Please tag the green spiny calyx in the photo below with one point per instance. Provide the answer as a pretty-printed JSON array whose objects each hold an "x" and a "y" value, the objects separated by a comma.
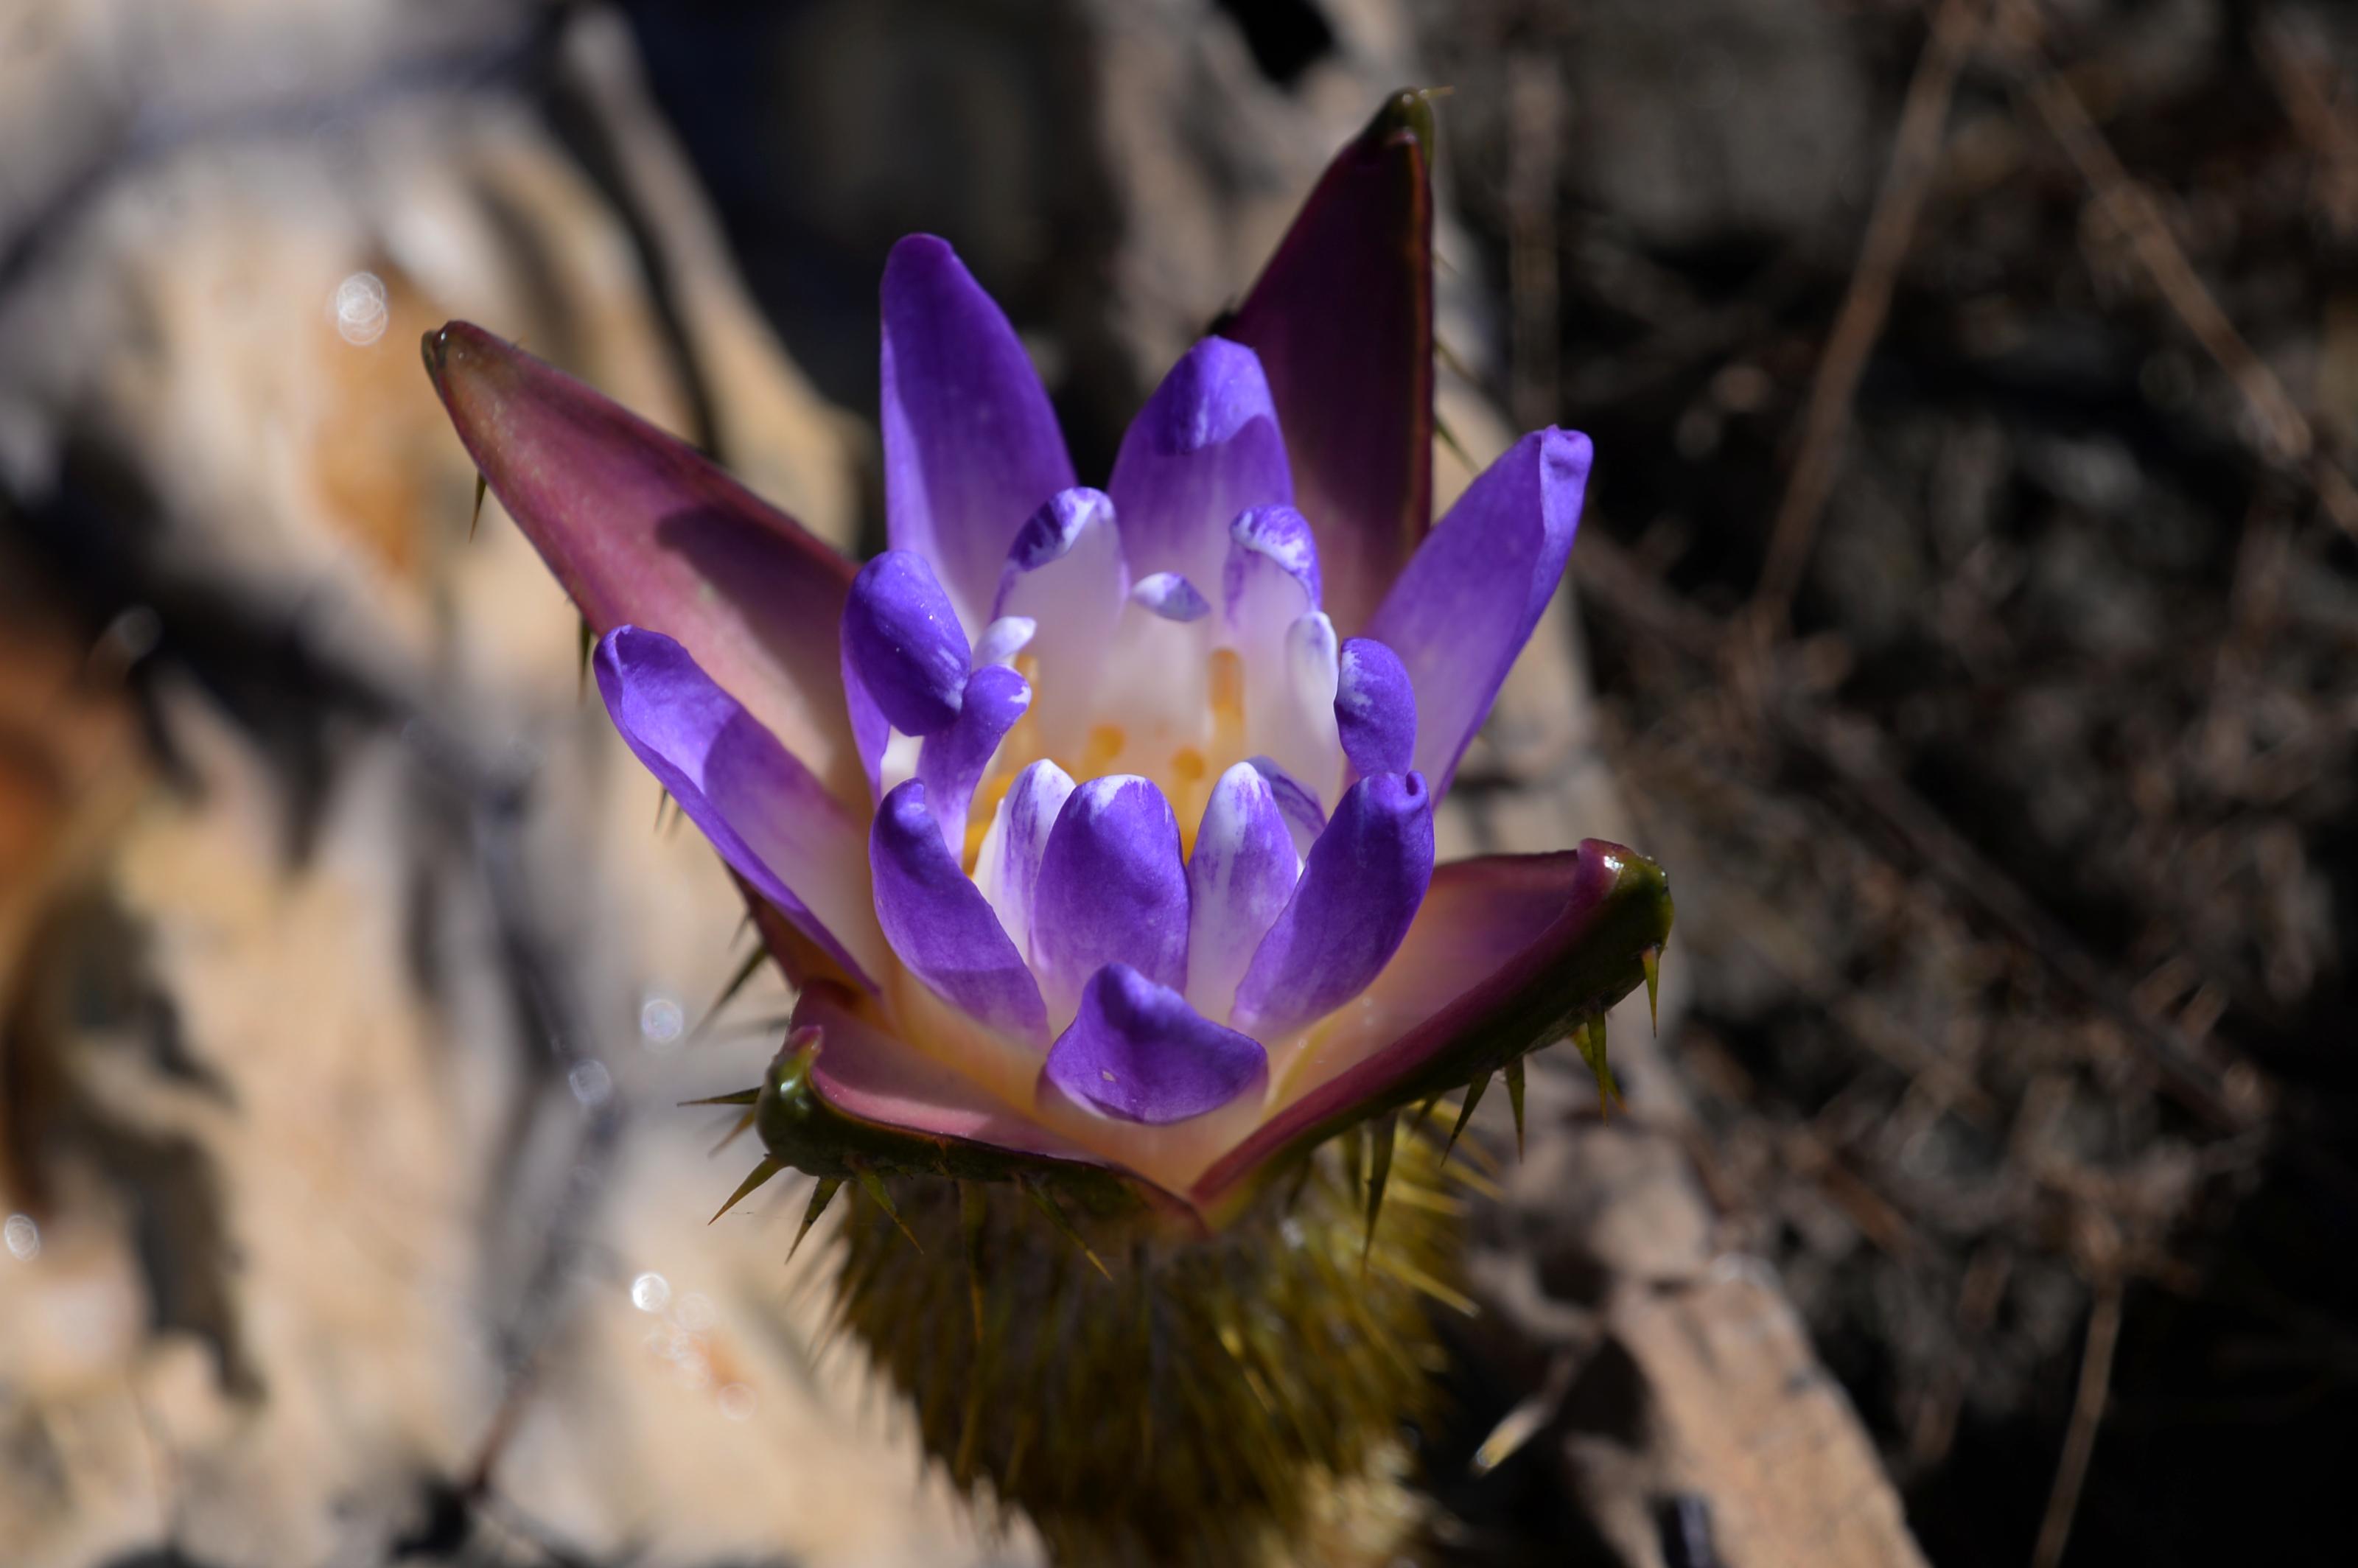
[{"x": 1195, "y": 1400}]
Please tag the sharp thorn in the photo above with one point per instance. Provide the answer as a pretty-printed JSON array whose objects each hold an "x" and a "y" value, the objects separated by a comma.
[
  {"x": 1466, "y": 1113},
  {"x": 1515, "y": 1099},
  {"x": 742, "y": 1096},
  {"x": 760, "y": 1173},
  {"x": 736, "y": 982},
  {"x": 475, "y": 522},
  {"x": 873, "y": 1186},
  {"x": 1449, "y": 440},
  {"x": 663, "y": 804},
  {"x": 586, "y": 643},
  {"x": 1386, "y": 1133},
  {"x": 1047, "y": 1205},
  {"x": 1652, "y": 960},
  {"x": 1590, "y": 1038},
  {"x": 821, "y": 1195},
  {"x": 734, "y": 1133},
  {"x": 1451, "y": 361},
  {"x": 1355, "y": 1156},
  {"x": 972, "y": 1211}
]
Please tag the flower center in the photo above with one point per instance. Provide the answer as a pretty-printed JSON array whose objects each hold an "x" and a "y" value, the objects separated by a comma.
[{"x": 1157, "y": 739}]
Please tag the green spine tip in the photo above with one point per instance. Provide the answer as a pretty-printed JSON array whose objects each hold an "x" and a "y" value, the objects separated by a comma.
[
  {"x": 1590, "y": 1039},
  {"x": 1448, "y": 437},
  {"x": 1473, "y": 1092},
  {"x": 1448, "y": 359},
  {"x": 475, "y": 522},
  {"x": 1047, "y": 1205},
  {"x": 1387, "y": 1133},
  {"x": 742, "y": 1096},
  {"x": 1652, "y": 960},
  {"x": 1354, "y": 1155},
  {"x": 736, "y": 982},
  {"x": 737, "y": 1130},
  {"x": 873, "y": 1186},
  {"x": 1410, "y": 110},
  {"x": 1515, "y": 1099},
  {"x": 821, "y": 1195},
  {"x": 585, "y": 643},
  {"x": 972, "y": 1212},
  {"x": 753, "y": 1179}
]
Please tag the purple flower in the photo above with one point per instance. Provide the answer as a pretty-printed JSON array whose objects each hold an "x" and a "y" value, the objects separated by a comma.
[{"x": 1098, "y": 825}]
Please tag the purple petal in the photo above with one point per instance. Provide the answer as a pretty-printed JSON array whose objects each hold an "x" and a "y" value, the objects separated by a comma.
[
  {"x": 1066, "y": 572},
  {"x": 879, "y": 1077},
  {"x": 1111, "y": 889},
  {"x": 1137, "y": 1051},
  {"x": 1238, "y": 879},
  {"x": 641, "y": 530},
  {"x": 1004, "y": 638},
  {"x": 941, "y": 926},
  {"x": 1290, "y": 704},
  {"x": 1009, "y": 867},
  {"x": 1361, "y": 888},
  {"x": 1050, "y": 532},
  {"x": 1375, "y": 707},
  {"x": 970, "y": 444},
  {"x": 1305, "y": 817},
  {"x": 1204, "y": 447},
  {"x": 952, "y": 761},
  {"x": 1275, "y": 539},
  {"x": 1170, "y": 597},
  {"x": 903, "y": 642},
  {"x": 1468, "y": 603},
  {"x": 1505, "y": 949},
  {"x": 1342, "y": 319},
  {"x": 774, "y": 824}
]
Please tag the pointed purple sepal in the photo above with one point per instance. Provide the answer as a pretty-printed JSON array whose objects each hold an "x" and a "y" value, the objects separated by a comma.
[
  {"x": 1342, "y": 319},
  {"x": 1137, "y": 1051},
  {"x": 1506, "y": 950},
  {"x": 643, "y": 530},
  {"x": 941, "y": 926}
]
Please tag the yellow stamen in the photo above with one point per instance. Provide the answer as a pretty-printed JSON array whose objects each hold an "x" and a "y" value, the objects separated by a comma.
[
  {"x": 1106, "y": 742},
  {"x": 1228, "y": 681}
]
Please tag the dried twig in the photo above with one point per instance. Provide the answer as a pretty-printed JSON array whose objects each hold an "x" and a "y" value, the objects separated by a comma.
[
  {"x": 2087, "y": 1415},
  {"x": 2285, "y": 435},
  {"x": 1846, "y": 747},
  {"x": 2293, "y": 70},
  {"x": 1915, "y": 159},
  {"x": 1535, "y": 108}
]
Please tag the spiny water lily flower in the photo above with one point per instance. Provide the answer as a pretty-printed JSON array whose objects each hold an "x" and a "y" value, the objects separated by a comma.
[{"x": 1095, "y": 825}]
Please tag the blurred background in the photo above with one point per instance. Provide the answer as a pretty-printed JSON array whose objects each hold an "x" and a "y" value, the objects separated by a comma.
[{"x": 1967, "y": 613}]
